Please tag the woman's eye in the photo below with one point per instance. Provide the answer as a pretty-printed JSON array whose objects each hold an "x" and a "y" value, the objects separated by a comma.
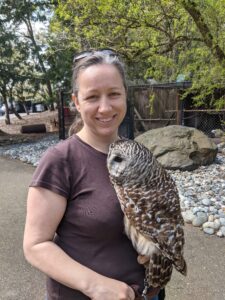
[
  {"x": 92, "y": 97},
  {"x": 114, "y": 94}
]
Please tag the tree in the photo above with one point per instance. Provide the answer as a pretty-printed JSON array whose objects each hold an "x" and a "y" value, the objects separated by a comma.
[
  {"x": 10, "y": 60},
  {"x": 159, "y": 39},
  {"x": 23, "y": 14}
]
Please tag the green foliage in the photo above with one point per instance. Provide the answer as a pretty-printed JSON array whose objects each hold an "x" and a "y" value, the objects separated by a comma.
[
  {"x": 159, "y": 39},
  {"x": 151, "y": 102}
]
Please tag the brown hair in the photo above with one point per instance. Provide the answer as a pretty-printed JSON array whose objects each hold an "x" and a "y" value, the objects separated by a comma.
[{"x": 97, "y": 58}]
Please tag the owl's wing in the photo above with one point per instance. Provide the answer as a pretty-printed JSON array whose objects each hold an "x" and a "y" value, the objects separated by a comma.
[{"x": 157, "y": 216}]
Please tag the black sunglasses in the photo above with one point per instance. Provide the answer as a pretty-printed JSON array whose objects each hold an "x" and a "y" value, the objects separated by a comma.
[{"x": 84, "y": 54}]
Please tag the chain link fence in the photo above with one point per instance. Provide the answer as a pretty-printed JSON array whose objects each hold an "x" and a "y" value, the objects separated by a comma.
[{"x": 206, "y": 121}]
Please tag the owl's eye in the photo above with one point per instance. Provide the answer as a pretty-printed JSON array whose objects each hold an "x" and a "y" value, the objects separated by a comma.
[{"x": 118, "y": 159}]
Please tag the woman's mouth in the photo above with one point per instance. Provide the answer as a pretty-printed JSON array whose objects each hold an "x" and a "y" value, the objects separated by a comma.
[{"x": 106, "y": 120}]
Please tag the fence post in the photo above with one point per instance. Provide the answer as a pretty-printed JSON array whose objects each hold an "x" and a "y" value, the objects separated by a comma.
[
  {"x": 61, "y": 115},
  {"x": 126, "y": 128},
  {"x": 179, "y": 110}
]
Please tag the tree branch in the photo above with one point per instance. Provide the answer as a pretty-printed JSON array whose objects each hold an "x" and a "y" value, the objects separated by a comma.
[{"x": 191, "y": 7}]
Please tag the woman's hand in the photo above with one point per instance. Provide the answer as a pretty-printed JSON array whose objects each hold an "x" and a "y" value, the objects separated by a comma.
[{"x": 110, "y": 289}]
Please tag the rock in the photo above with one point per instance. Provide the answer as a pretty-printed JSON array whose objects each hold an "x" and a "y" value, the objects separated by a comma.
[
  {"x": 206, "y": 202},
  {"x": 196, "y": 209},
  {"x": 208, "y": 225},
  {"x": 221, "y": 147},
  {"x": 219, "y": 234},
  {"x": 217, "y": 133},
  {"x": 188, "y": 216},
  {"x": 209, "y": 230},
  {"x": 222, "y": 221},
  {"x": 212, "y": 209},
  {"x": 179, "y": 147},
  {"x": 222, "y": 229},
  {"x": 217, "y": 224},
  {"x": 199, "y": 219},
  {"x": 221, "y": 213},
  {"x": 210, "y": 218}
]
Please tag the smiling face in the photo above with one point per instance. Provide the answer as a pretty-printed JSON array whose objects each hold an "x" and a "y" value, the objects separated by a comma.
[{"x": 101, "y": 101}]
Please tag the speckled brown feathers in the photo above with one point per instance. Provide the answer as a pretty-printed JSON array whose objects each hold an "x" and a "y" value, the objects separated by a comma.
[{"x": 152, "y": 215}]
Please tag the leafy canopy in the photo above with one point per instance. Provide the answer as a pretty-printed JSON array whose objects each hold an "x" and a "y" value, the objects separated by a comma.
[{"x": 159, "y": 39}]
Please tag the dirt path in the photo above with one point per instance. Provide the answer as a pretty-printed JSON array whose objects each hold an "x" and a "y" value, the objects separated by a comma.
[
  {"x": 46, "y": 117},
  {"x": 10, "y": 134}
]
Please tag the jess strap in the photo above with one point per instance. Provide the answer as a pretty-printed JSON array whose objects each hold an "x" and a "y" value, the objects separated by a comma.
[{"x": 151, "y": 293}]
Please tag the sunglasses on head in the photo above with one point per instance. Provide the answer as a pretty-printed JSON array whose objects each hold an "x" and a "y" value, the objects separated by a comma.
[{"x": 84, "y": 54}]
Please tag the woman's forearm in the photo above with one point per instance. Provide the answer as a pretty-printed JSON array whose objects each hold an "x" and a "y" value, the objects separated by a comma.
[{"x": 54, "y": 262}]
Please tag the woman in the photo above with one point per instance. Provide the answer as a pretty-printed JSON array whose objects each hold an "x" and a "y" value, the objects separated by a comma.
[{"x": 74, "y": 225}]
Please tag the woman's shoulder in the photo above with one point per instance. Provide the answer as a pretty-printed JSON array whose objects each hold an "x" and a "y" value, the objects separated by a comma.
[{"x": 63, "y": 149}]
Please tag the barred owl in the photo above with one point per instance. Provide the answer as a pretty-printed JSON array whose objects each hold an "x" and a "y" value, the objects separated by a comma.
[{"x": 150, "y": 203}]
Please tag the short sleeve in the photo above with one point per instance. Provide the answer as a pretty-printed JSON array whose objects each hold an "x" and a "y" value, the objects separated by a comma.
[{"x": 53, "y": 173}]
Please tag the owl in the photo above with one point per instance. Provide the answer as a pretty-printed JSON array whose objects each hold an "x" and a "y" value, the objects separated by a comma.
[{"x": 152, "y": 216}]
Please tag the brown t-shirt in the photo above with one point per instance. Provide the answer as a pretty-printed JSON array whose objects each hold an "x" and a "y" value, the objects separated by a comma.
[{"x": 91, "y": 231}]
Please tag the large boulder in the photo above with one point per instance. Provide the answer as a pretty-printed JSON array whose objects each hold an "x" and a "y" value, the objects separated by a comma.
[{"x": 179, "y": 147}]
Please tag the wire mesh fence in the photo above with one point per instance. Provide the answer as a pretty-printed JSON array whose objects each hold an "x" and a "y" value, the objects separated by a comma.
[{"x": 206, "y": 121}]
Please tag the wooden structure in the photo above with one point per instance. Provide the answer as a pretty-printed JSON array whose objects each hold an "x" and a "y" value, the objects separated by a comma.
[
  {"x": 160, "y": 105},
  {"x": 157, "y": 105},
  {"x": 154, "y": 106}
]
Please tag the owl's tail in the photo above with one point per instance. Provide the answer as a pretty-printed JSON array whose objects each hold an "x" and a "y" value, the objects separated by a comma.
[
  {"x": 159, "y": 270},
  {"x": 180, "y": 265}
]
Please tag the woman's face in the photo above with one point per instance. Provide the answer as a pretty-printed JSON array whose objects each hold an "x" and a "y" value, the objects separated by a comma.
[{"x": 101, "y": 100}]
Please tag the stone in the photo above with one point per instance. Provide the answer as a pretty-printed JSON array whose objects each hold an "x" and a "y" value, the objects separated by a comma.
[
  {"x": 210, "y": 218},
  {"x": 221, "y": 213},
  {"x": 219, "y": 234},
  {"x": 209, "y": 230},
  {"x": 213, "y": 210},
  {"x": 196, "y": 209},
  {"x": 188, "y": 216},
  {"x": 208, "y": 225},
  {"x": 217, "y": 133},
  {"x": 199, "y": 219},
  {"x": 179, "y": 147},
  {"x": 217, "y": 224},
  {"x": 206, "y": 202},
  {"x": 222, "y": 221},
  {"x": 222, "y": 229}
]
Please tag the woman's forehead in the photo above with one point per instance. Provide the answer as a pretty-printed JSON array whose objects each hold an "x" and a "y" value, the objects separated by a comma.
[{"x": 98, "y": 75}]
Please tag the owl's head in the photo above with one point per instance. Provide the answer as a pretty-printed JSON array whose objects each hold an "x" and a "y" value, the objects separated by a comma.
[{"x": 128, "y": 160}]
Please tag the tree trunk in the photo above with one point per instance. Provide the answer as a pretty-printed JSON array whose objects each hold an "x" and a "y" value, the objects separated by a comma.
[
  {"x": 13, "y": 108},
  {"x": 191, "y": 7},
  {"x": 4, "y": 96},
  {"x": 25, "y": 108}
]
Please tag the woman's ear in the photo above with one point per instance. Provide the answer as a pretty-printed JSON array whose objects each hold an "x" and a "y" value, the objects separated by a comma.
[{"x": 76, "y": 102}]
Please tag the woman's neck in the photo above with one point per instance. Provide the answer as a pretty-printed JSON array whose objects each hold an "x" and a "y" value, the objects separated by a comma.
[{"x": 99, "y": 143}]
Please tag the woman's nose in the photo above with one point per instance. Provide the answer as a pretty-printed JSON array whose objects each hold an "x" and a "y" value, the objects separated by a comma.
[{"x": 104, "y": 105}]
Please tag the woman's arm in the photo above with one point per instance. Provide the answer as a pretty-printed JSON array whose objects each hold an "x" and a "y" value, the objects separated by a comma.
[{"x": 45, "y": 210}]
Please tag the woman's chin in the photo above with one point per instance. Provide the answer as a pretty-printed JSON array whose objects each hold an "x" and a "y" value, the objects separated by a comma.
[{"x": 107, "y": 132}]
